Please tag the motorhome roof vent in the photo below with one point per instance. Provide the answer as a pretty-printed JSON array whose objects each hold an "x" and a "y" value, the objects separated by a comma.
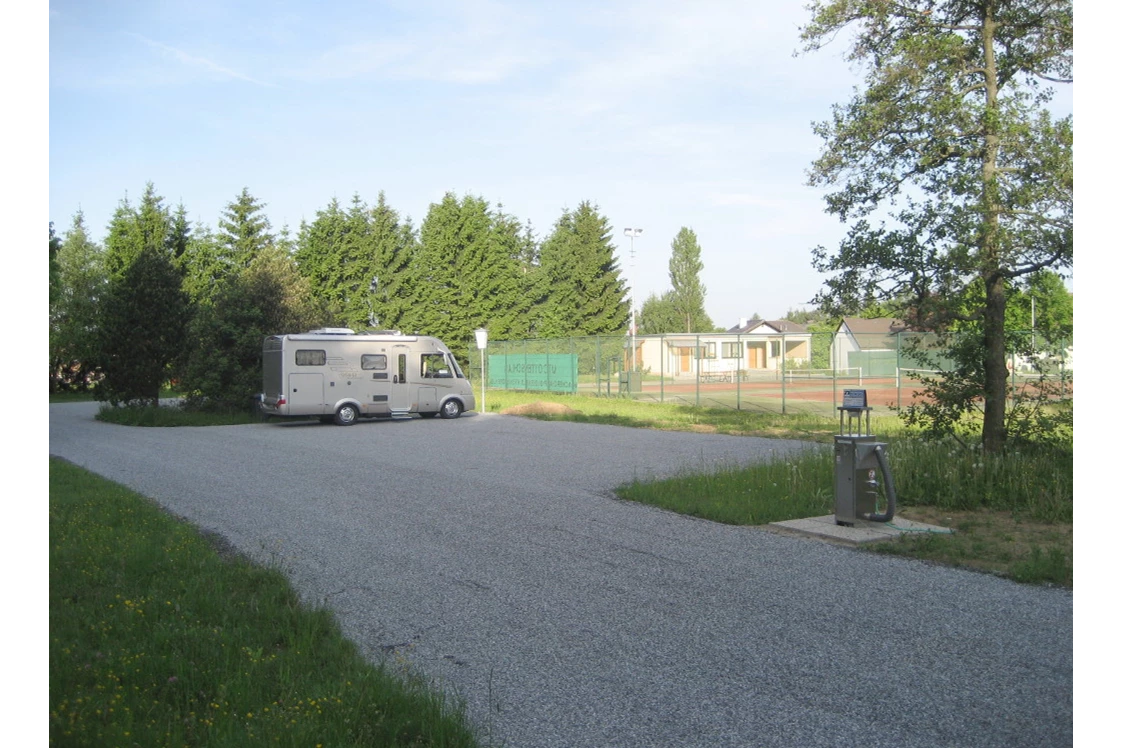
[{"x": 332, "y": 331}]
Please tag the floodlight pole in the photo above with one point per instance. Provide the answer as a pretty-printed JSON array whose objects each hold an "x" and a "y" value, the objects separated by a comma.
[{"x": 632, "y": 234}]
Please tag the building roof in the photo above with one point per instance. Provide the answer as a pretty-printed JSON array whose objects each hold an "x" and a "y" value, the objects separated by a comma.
[
  {"x": 878, "y": 326},
  {"x": 779, "y": 325},
  {"x": 873, "y": 334}
]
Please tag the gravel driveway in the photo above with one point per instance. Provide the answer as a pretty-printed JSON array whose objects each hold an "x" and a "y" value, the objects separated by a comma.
[{"x": 490, "y": 554}]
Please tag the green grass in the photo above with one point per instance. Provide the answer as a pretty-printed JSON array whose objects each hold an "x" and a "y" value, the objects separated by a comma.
[
  {"x": 771, "y": 492},
  {"x": 156, "y": 638}
]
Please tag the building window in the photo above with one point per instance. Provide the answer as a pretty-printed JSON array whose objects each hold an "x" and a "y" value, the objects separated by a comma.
[
  {"x": 731, "y": 350},
  {"x": 311, "y": 358},
  {"x": 774, "y": 345},
  {"x": 707, "y": 350}
]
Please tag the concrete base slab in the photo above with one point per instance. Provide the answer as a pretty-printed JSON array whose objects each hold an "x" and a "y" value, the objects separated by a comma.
[{"x": 861, "y": 533}]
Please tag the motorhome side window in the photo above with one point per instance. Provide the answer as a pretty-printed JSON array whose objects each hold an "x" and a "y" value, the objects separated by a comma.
[
  {"x": 374, "y": 362},
  {"x": 311, "y": 358},
  {"x": 434, "y": 365}
]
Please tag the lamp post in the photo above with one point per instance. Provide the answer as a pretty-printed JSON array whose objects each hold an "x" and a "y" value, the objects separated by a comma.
[
  {"x": 481, "y": 344},
  {"x": 632, "y": 234}
]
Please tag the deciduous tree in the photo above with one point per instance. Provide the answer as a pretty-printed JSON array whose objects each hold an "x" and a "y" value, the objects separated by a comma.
[
  {"x": 947, "y": 164},
  {"x": 658, "y": 316},
  {"x": 688, "y": 294}
]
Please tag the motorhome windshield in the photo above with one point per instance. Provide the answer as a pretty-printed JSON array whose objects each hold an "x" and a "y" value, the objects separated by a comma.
[
  {"x": 439, "y": 366},
  {"x": 456, "y": 367}
]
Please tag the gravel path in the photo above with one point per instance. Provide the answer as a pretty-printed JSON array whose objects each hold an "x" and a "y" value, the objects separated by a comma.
[{"x": 489, "y": 554}]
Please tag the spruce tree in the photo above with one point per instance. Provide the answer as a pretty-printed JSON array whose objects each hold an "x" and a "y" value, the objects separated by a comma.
[
  {"x": 244, "y": 229},
  {"x": 465, "y": 277},
  {"x": 586, "y": 295},
  {"x": 79, "y": 286},
  {"x": 145, "y": 310}
]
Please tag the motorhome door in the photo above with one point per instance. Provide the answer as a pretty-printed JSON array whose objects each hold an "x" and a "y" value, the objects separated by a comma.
[{"x": 399, "y": 392}]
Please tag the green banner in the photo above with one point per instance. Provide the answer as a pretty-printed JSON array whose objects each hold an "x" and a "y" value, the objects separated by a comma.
[{"x": 546, "y": 372}]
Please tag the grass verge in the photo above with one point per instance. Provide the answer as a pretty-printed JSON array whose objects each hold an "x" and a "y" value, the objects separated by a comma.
[{"x": 158, "y": 639}]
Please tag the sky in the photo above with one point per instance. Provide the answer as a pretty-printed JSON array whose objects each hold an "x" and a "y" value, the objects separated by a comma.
[{"x": 662, "y": 114}]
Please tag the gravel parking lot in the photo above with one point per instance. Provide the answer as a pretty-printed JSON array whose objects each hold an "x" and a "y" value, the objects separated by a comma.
[{"x": 489, "y": 554}]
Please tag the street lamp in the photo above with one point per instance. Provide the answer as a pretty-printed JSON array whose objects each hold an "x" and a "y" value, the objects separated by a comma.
[{"x": 632, "y": 234}]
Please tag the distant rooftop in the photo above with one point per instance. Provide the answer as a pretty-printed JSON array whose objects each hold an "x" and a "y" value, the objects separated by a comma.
[{"x": 780, "y": 325}]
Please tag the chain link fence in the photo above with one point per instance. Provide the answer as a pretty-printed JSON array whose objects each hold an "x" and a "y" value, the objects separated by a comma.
[{"x": 784, "y": 373}]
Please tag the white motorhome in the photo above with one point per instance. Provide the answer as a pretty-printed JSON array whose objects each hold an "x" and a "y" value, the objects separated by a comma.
[{"x": 339, "y": 375}]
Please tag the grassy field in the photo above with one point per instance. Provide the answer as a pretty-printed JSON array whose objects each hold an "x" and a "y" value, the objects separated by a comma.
[{"x": 159, "y": 638}]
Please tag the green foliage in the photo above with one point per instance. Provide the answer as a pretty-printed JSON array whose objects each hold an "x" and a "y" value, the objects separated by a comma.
[
  {"x": 1039, "y": 409},
  {"x": 244, "y": 230},
  {"x": 658, "y": 315},
  {"x": 223, "y": 368},
  {"x": 160, "y": 636},
  {"x": 1041, "y": 304},
  {"x": 682, "y": 309},
  {"x": 79, "y": 283},
  {"x": 394, "y": 246},
  {"x": 135, "y": 230},
  {"x": 688, "y": 294},
  {"x": 141, "y": 328},
  {"x": 586, "y": 294},
  {"x": 143, "y": 312},
  {"x": 949, "y": 142},
  {"x": 53, "y": 244},
  {"x": 179, "y": 235},
  {"x": 320, "y": 255},
  {"x": 204, "y": 264},
  {"x": 359, "y": 263},
  {"x": 465, "y": 275}
]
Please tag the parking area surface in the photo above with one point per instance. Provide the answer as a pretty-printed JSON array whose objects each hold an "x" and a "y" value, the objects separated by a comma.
[{"x": 489, "y": 554}]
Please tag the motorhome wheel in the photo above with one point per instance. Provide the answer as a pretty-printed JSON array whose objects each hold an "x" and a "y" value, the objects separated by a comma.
[
  {"x": 451, "y": 409},
  {"x": 346, "y": 415}
]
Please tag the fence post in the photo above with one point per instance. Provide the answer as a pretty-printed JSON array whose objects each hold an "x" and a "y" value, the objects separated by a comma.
[
  {"x": 783, "y": 374},
  {"x": 596, "y": 364},
  {"x": 834, "y": 373},
  {"x": 898, "y": 370}
]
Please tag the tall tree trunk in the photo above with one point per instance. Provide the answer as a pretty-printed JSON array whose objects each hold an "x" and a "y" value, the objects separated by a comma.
[
  {"x": 994, "y": 312},
  {"x": 994, "y": 365}
]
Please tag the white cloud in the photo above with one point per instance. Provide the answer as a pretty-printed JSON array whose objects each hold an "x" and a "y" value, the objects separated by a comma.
[{"x": 200, "y": 63}]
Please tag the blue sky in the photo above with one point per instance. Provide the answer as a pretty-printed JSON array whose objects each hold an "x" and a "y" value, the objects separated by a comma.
[{"x": 664, "y": 114}]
